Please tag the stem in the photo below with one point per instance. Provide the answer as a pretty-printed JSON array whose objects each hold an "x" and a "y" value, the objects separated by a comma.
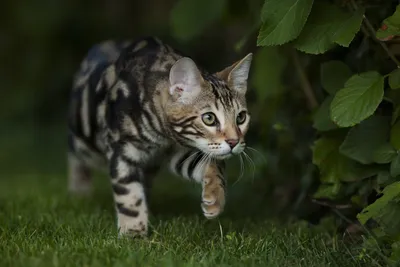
[
  {"x": 239, "y": 45},
  {"x": 388, "y": 99},
  {"x": 305, "y": 84},
  {"x": 326, "y": 204},
  {"x": 384, "y": 46},
  {"x": 372, "y": 31}
]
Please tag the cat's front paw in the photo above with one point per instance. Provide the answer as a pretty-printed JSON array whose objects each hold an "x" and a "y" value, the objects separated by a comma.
[
  {"x": 133, "y": 233},
  {"x": 132, "y": 228},
  {"x": 213, "y": 197}
]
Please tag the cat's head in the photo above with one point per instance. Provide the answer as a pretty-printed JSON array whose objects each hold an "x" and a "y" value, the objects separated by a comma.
[{"x": 209, "y": 112}]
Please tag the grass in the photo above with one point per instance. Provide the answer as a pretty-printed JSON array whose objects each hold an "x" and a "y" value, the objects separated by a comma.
[{"x": 42, "y": 225}]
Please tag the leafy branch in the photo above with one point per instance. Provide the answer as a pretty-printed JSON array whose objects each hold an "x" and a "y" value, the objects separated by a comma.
[
  {"x": 372, "y": 33},
  {"x": 357, "y": 152}
]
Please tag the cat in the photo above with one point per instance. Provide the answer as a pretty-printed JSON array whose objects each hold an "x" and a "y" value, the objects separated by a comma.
[{"x": 133, "y": 103}]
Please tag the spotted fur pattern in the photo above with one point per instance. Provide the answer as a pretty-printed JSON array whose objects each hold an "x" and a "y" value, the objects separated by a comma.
[{"x": 134, "y": 104}]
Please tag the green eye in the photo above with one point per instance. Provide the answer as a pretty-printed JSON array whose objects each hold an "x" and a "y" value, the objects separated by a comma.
[
  {"x": 241, "y": 117},
  {"x": 209, "y": 119}
]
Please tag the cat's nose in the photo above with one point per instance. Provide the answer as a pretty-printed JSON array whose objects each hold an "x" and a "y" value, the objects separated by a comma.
[{"x": 232, "y": 142}]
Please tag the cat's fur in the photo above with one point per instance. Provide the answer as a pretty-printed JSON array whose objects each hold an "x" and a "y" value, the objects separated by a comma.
[{"x": 132, "y": 102}]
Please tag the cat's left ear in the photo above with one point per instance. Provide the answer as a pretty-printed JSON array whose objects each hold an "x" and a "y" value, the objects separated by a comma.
[
  {"x": 237, "y": 74},
  {"x": 185, "y": 80}
]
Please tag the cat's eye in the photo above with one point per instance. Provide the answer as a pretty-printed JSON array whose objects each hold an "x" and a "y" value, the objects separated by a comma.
[
  {"x": 209, "y": 119},
  {"x": 241, "y": 117}
]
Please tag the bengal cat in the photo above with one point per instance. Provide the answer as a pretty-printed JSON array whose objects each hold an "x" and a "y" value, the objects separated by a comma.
[{"x": 133, "y": 103}]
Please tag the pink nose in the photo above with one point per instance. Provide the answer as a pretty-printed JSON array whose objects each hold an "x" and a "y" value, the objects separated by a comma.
[{"x": 232, "y": 142}]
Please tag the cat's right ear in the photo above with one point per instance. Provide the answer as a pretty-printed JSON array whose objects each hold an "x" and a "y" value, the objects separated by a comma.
[
  {"x": 236, "y": 75},
  {"x": 185, "y": 80}
]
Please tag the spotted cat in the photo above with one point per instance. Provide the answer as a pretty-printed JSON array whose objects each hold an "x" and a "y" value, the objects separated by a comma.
[{"x": 134, "y": 103}]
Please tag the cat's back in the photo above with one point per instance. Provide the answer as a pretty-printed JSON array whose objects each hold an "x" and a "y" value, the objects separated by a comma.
[
  {"x": 146, "y": 62},
  {"x": 141, "y": 64},
  {"x": 117, "y": 79}
]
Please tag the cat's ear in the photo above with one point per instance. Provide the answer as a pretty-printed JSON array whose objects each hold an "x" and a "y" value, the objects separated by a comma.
[
  {"x": 185, "y": 80},
  {"x": 237, "y": 74}
]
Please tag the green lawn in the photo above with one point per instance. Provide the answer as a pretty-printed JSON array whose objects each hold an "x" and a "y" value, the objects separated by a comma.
[{"x": 41, "y": 225}]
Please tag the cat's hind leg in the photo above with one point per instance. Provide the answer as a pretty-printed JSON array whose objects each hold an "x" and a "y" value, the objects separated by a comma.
[{"x": 79, "y": 174}]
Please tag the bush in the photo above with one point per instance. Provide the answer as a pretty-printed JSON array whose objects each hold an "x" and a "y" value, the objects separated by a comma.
[{"x": 353, "y": 101}]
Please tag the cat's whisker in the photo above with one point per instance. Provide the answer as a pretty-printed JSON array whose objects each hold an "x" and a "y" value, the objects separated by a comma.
[
  {"x": 241, "y": 167},
  {"x": 258, "y": 152},
  {"x": 241, "y": 170},
  {"x": 188, "y": 158},
  {"x": 199, "y": 167},
  {"x": 251, "y": 163},
  {"x": 203, "y": 162},
  {"x": 207, "y": 160}
]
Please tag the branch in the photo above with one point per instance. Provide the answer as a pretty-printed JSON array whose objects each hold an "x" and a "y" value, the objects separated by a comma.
[
  {"x": 326, "y": 204},
  {"x": 239, "y": 45},
  {"x": 372, "y": 31},
  {"x": 305, "y": 83}
]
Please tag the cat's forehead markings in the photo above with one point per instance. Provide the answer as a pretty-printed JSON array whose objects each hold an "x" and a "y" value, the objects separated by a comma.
[
  {"x": 221, "y": 92},
  {"x": 236, "y": 103},
  {"x": 207, "y": 106}
]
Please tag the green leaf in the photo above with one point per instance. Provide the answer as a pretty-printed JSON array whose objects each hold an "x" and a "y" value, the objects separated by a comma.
[
  {"x": 395, "y": 166},
  {"x": 267, "y": 72},
  {"x": 395, "y": 256},
  {"x": 396, "y": 114},
  {"x": 390, "y": 218},
  {"x": 395, "y": 136},
  {"x": 394, "y": 79},
  {"x": 282, "y": 20},
  {"x": 374, "y": 211},
  {"x": 335, "y": 167},
  {"x": 326, "y": 156},
  {"x": 384, "y": 154},
  {"x": 316, "y": 36},
  {"x": 322, "y": 118},
  {"x": 189, "y": 18},
  {"x": 334, "y": 74},
  {"x": 348, "y": 28},
  {"x": 363, "y": 140},
  {"x": 383, "y": 177},
  {"x": 330, "y": 191},
  {"x": 358, "y": 99},
  {"x": 390, "y": 26},
  {"x": 325, "y": 28}
]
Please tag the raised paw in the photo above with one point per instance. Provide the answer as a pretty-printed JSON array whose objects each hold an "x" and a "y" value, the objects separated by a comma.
[{"x": 213, "y": 198}]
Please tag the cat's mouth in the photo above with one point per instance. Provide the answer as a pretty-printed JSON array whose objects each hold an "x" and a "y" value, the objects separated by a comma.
[{"x": 226, "y": 155}]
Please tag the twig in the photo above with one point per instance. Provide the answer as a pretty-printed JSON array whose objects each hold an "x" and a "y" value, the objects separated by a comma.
[
  {"x": 384, "y": 46},
  {"x": 241, "y": 43},
  {"x": 326, "y": 204},
  {"x": 305, "y": 84},
  {"x": 369, "y": 26}
]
